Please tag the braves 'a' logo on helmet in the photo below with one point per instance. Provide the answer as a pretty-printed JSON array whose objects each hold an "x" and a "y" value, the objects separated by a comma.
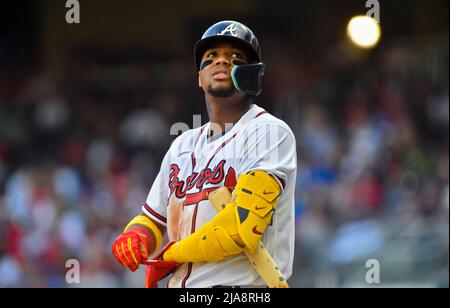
[{"x": 231, "y": 28}]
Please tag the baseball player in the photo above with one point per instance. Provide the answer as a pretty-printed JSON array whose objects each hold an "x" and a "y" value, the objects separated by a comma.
[{"x": 243, "y": 148}]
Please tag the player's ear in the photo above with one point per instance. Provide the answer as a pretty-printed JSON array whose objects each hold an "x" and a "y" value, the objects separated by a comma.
[{"x": 199, "y": 80}]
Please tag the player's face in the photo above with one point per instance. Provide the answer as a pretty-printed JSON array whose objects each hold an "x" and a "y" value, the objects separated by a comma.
[{"x": 215, "y": 69}]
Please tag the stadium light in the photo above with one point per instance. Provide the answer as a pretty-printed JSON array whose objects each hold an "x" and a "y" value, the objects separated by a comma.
[{"x": 364, "y": 31}]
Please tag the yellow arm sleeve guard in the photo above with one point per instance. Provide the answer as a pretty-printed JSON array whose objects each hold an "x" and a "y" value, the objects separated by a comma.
[{"x": 241, "y": 224}]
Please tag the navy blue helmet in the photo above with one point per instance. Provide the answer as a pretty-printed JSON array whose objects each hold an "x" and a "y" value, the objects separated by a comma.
[
  {"x": 230, "y": 31},
  {"x": 246, "y": 78}
]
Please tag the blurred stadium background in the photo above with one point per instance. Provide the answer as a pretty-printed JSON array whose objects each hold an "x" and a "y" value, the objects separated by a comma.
[{"x": 86, "y": 109}]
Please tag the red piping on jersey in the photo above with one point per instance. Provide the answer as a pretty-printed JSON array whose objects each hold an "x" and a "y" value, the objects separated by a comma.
[
  {"x": 283, "y": 183},
  {"x": 193, "y": 161},
  {"x": 159, "y": 216},
  {"x": 188, "y": 274},
  {"x": 220, "y": 148},
  {"x": 195, "y": 143},
  {"x": 194, "y": 219},
  {"x": 261, "y": 113}
]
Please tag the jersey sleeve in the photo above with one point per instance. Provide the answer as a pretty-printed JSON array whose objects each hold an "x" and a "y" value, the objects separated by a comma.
[
  {"x": 155, "y": 205},
  {"x": 271, "y": 148}
]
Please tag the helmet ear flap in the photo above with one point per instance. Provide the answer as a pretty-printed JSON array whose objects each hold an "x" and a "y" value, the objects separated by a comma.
[{"x": 248, "y": 78}]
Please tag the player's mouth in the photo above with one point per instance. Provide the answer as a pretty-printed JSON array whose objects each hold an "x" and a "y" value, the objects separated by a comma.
[{"x": 221, "y": 74}]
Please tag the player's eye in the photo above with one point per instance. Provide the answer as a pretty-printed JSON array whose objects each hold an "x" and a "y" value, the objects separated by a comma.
[
  {"x": 238, "y": 58},
  {"x": 237, "y": 55},
  {"x": 211, "y": 54}
]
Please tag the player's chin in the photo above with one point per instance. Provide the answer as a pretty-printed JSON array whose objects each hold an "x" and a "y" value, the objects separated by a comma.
[
  {"x": 221, "y": 90},
  {"x": 221, "y": 84}
]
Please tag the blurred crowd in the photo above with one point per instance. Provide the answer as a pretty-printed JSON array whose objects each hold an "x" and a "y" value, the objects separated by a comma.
[{"x": 81, "y": 143}]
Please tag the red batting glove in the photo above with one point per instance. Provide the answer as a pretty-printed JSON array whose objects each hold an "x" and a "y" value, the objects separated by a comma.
[
  {"x": 158, "y": 269},
  {"x": 132, "y": 247}
]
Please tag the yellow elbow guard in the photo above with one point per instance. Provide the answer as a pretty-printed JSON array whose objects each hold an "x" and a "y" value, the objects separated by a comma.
[
  {"x": 241, "y": 224},
  {"x": 255, "y": 198}
]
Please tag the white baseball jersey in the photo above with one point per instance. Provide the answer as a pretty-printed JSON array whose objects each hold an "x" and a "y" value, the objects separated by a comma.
[{"x": 194, "y": 165}]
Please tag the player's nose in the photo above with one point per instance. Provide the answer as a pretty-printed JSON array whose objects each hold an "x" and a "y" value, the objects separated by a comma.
[{"x": 222, "y": 60}]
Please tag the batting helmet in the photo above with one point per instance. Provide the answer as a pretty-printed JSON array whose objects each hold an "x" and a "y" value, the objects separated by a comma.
[
  {"x": 246, "y": 78},
  {"x": 231, "y": 31}
]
